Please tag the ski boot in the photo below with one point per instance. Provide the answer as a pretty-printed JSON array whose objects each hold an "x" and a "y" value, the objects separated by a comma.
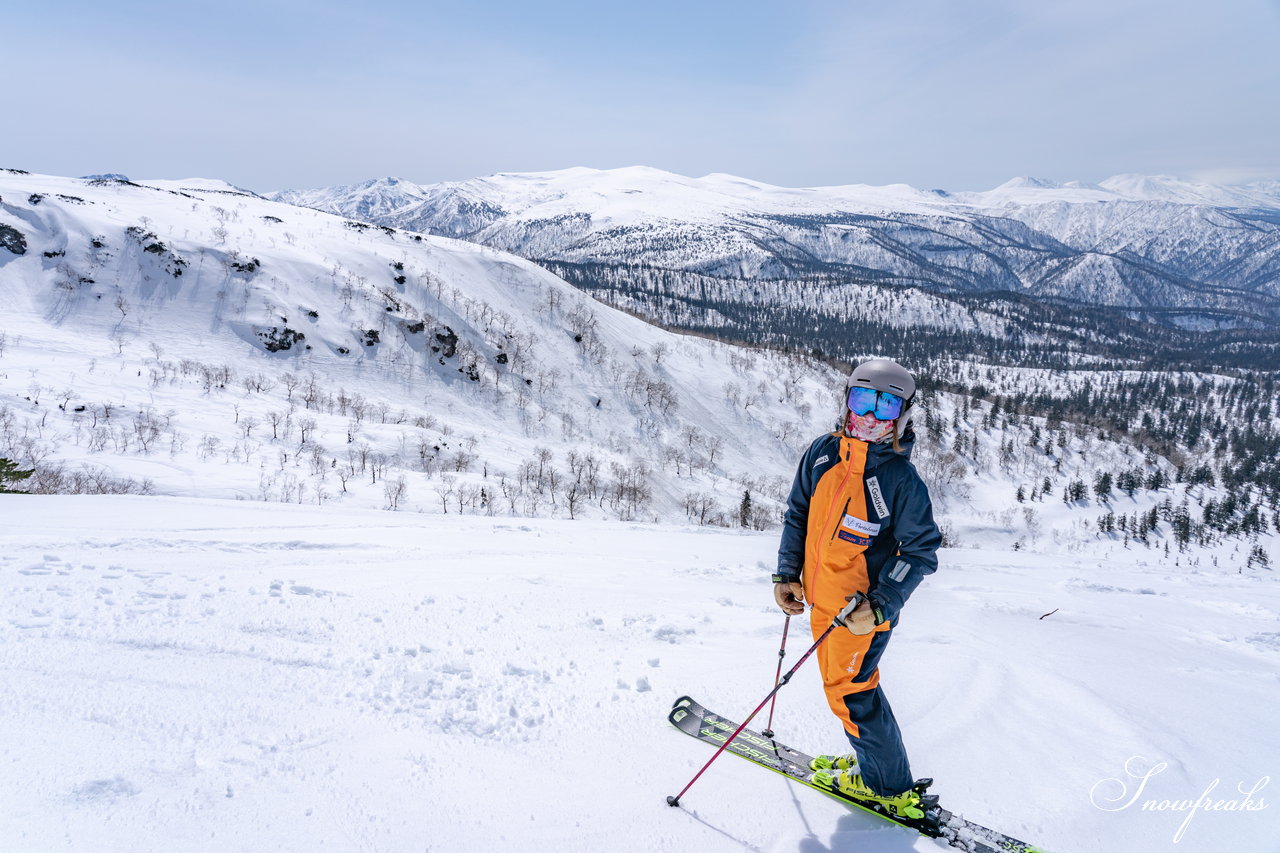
[
  {"x": 905, "y": 806},
  {"x": 835, "y": 762}
]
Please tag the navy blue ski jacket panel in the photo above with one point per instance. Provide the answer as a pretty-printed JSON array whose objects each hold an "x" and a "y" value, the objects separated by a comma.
[{"x": 903, "y": 550}]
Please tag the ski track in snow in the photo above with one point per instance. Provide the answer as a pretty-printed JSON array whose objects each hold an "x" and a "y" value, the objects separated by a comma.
[{"x": 200, "y": 675}]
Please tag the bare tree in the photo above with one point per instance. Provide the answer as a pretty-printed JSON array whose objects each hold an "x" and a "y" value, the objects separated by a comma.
[
  {"x": 146, "y": 430},
  {"x": 572, "y": 493},
  {"x": 701, "y": 506},
  {"x": 445, "y": 491},
  {"x": 396, "y": 491},
  {"x": 276, "y": 419}
]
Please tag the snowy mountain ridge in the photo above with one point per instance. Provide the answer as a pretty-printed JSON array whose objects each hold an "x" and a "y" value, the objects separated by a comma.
[
  {"x": 667, "y": 194},
  {"x": 281, "y": 341},
  {"x": 1168, "y": 251},
  {"x": 188, "y": 339}
]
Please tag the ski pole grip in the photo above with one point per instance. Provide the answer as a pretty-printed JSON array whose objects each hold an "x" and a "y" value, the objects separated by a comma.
[{"x": 844, "y": 614}]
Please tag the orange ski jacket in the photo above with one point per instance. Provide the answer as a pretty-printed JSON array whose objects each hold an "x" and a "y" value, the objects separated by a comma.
[{"x": 859, "y": 519}]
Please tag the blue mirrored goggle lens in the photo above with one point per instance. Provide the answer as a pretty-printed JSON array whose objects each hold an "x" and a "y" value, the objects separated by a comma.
[{"x": 885, "y": 405}]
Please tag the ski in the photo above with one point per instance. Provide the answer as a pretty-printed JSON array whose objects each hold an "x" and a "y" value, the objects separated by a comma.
[{"x": 696, "y": 721}]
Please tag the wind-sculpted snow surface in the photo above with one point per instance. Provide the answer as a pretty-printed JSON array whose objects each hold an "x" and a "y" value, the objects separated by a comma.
[{"x": 201, "y": 675}]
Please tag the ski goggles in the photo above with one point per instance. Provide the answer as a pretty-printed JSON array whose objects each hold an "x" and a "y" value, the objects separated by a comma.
[{"x": 863, "y": 401}]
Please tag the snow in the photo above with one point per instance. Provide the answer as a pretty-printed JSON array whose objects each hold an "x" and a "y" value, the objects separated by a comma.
[
  {"x": 1013, "y": 237},
  {"x": 108, "y": 328},
  {"x": 96, "y": 316},
  {"x": 183, "y": 672},
  {"x": 197, "y": 185},
  {"x": 1169, "y": 188},
  {"x": 635, "y": 195},
  {"x": 218, "y": 675}
]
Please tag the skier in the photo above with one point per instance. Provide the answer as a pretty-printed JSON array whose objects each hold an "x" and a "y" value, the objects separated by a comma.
[{"x": 859, "y": 521}]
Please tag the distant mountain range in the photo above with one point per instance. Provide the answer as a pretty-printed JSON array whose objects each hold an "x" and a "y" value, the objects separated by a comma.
[
  {"x": 192, "y": 338},
  {"x": 1163, "y": 251}
]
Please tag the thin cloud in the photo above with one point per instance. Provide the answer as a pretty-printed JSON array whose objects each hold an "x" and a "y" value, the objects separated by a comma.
[{"x": 928, "y": 92}]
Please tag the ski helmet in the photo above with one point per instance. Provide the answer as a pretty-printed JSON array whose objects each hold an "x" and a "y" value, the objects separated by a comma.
[
  {"x": 883, "y": 374},
  {"x": 886, "y": 375}
]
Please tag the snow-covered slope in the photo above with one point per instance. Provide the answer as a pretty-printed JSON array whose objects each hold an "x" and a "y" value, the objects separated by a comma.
[
  {"x": 183, "y": 673},
  {"x": 192, "y": 339},
  {"x": 209, "y": 676},
  {"x": 1166, "y": 244},
  {"x": 179, "y": 328}
]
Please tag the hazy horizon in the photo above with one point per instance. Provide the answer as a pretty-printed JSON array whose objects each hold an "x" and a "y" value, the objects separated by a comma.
[{"x": 278, "y": 94}]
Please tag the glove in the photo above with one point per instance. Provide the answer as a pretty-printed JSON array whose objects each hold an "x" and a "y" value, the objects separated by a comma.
[
  {"x": 790, "y": 597},
  {"x": 864, "y": 618}
]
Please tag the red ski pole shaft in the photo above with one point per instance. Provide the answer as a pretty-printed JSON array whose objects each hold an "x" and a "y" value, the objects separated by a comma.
[
  {"x": 782, "y": 653},
  {"x": 675, "y": 801}
]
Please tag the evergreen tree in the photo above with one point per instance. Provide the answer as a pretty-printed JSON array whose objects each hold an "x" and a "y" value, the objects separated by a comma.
[
  {"x": 10, "y": 475},
  {"x": 1102, "y": 486},
  {"x": 1074, "y": 491},
  {"x": 744, "y": 510},
  {"x": 1259, "y": 557},
  {"x": 1182, "y": 527}
]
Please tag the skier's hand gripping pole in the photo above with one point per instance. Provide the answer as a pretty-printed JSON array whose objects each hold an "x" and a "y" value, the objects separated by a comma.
[
  {"x": 838, "y": 621},
  {"x": 861, "y": 615},
  {"x": 845, "y": 617}
]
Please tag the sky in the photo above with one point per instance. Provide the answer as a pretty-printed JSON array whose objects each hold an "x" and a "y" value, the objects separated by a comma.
[{"x": 275, "y": 94}]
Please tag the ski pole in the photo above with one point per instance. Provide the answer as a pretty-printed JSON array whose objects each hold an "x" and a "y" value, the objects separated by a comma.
[
  {"x": 839, "y": 620},
  {"x": 782, "y": 653}
]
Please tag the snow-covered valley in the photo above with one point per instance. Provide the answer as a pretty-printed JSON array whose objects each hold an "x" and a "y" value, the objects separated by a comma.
[{"x": 202, "y": 675}]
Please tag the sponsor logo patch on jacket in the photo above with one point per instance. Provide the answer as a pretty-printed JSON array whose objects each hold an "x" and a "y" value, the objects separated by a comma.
[
  {"x": 866, "y": 528},
  {"x": 821, "y": 459},
  {"x": 877, "y": 499},
  {"x": 857, "y": 530},
  {"x": 854, "y": 538}
]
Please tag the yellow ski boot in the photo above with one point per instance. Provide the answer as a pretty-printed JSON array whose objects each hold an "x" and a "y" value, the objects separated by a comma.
[
  {"x": 849, "y": 783},
  {"x": 835, "y": 762}
]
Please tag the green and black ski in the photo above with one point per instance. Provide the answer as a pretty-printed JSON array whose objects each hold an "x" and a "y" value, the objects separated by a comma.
[{"x": 696, "y": 721}]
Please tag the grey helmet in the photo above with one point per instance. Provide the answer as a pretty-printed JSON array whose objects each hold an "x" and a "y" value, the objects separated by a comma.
[{"x": 884, "y": 374}]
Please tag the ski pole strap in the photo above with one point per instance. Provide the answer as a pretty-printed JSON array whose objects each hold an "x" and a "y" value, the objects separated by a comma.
[{"x": 877, "y": 611}]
